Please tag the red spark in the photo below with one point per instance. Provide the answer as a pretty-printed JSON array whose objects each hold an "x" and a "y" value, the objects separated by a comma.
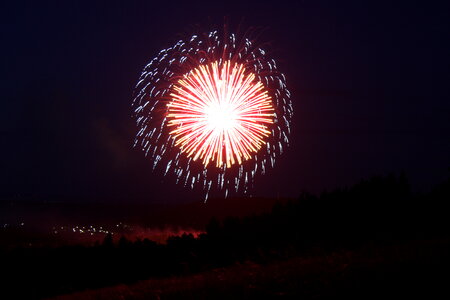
[{"x": 220, "y": 113}]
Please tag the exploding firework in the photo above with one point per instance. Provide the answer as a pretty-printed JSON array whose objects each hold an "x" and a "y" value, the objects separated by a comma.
[{"x": 214, "y": 111}]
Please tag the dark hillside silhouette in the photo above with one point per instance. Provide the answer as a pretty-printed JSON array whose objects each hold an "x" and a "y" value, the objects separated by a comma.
[{"x": 375, "y": 213}]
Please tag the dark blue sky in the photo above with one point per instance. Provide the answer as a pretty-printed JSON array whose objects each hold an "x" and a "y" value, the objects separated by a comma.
[{"x": 370, "y": 86}]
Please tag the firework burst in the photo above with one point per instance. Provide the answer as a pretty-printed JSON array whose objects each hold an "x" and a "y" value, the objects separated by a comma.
[
  {"x": 219, "y": 114},
  {"x": 214, "y": 111}
]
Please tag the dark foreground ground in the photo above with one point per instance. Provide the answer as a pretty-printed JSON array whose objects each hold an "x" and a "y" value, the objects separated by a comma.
[
  {"x": 407, "y": 269},
  {"x": 375, "y": 239}
]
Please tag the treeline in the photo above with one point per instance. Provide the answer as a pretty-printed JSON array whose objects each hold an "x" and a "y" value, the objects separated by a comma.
[{"x": 381, "y": 210}]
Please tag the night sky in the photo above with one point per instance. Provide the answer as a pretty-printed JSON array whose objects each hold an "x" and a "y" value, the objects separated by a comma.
[{"x": 369, "y": 84}]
